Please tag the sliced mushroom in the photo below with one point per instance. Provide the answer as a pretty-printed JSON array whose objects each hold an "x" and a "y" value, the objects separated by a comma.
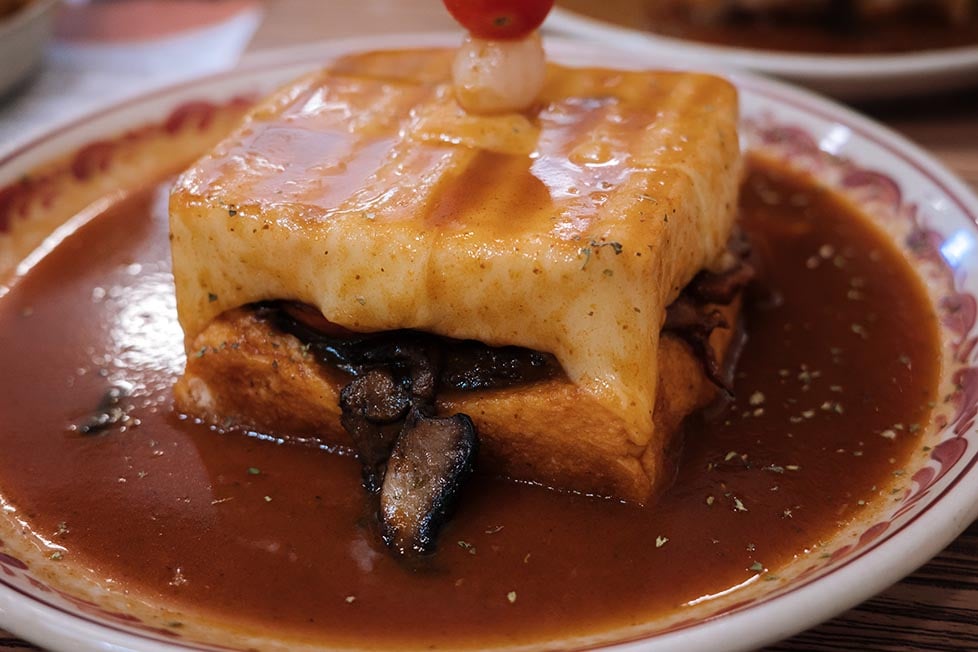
[
  {"x": 722, "y": 288},
  {"x": 472, "y": 365},
  {"x": 416, "y": 462},
  {"x": 109, "y": 412},
  {"x": 694, "y": 324},
  {"x": 415, "y": 359},
  {"x": 373, "y": 408},
  {"x": 427, "y": 363},
  {"x": 431, "y": 459},
  {"x": 692, "y": 317}
]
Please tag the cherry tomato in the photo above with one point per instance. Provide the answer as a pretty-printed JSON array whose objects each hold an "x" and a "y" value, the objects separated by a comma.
[{"x": 499, "y": 19}]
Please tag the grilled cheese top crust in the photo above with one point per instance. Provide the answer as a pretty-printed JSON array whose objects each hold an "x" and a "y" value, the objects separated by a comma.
[{"x": 366, "y": 192}]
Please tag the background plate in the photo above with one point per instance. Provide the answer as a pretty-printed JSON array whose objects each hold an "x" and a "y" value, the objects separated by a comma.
[{"x": 846, "y": 77}]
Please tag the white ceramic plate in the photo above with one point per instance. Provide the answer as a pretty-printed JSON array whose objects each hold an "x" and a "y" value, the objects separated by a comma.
[
  {"x": 931, "y": 215},
  {"x": 862, "y": 77}
]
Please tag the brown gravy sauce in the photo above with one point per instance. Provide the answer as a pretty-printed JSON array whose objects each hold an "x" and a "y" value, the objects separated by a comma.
[
  {"x": 923, "y": 28},
  {"x": 249, "y": 530}
]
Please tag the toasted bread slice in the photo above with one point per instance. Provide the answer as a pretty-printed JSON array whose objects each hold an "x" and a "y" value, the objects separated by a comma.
[{"x": 246, "y": 373}]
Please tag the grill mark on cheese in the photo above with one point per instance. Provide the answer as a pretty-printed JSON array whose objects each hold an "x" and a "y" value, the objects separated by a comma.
[
  {"x": 333, "y": 151},
  {"x": 578, "y": 177},
  {"x": 443, "y": 121},
  {"x": 477, "y": 193}
]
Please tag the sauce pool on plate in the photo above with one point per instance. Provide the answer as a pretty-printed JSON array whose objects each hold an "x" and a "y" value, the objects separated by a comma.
[{"x": 835, "y": 380}]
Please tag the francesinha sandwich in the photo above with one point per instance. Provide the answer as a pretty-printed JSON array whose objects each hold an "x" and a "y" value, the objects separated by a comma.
[{"x": 367, "y": 262}]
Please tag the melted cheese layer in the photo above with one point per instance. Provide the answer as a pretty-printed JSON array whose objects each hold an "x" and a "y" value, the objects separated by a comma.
[{"x": 366, "y": 192}]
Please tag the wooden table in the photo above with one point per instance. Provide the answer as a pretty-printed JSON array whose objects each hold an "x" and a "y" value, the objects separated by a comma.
[{"x": 935, "y": 608}]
